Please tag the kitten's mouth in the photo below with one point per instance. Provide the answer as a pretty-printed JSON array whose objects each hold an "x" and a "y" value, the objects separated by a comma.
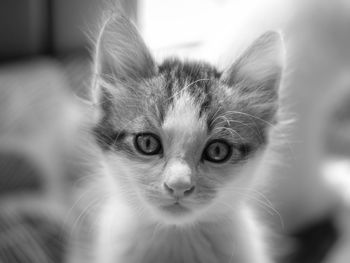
[{"x": 176, "y": 208}]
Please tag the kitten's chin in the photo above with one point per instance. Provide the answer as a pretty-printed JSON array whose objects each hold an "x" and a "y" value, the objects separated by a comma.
[{"x": 175, "y": 214}]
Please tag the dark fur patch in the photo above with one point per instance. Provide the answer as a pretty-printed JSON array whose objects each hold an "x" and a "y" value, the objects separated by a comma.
[
  {"x": 196, "y": 77},
  {"x": 19, "y": 175}
]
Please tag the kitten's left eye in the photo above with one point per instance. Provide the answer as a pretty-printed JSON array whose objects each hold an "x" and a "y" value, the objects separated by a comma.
[
  {"x": 217, "y": 151},
  {"x": 148, "y": 144}
]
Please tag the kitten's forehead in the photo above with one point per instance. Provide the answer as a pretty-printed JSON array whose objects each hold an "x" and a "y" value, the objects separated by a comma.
[
  {"x": 183, "y": 119},
  {"x": 186, "y": 83}
]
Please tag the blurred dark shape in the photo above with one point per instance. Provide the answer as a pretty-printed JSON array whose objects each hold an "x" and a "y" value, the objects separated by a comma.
[
  {"x": 29, "y": 237},
  {"x": 24, "y": 28},
  {"x": 49, "y": 27},
  {"x": 313, "y": 242},
  {"x": 18, "y": 175}
]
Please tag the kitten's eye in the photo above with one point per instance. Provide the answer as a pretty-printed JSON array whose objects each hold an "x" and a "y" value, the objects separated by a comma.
[
  {"x": 148, "y": 144},
  {"x": 217, "y": 151}
]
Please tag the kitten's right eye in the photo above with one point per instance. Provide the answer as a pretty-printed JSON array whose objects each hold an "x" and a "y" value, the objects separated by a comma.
[
  {"x": 148, "y": 144},
  {"x": 218, "y": 151}
]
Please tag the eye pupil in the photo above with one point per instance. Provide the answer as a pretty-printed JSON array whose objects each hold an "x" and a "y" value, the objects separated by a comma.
[
  {"x": 148, "y": 143},
  {"x": 217, "y": 151}
]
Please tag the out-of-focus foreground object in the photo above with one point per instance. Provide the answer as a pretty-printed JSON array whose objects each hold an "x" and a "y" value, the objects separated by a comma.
[{"x": 38, "y": 125}]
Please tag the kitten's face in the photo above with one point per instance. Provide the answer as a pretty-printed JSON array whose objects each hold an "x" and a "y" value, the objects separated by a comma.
[{"x": 179, "y": 138}]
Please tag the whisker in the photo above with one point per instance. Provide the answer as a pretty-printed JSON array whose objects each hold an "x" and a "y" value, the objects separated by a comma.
[
  {"x": 268, "y": 207},
  {"x": 84, "y": 212}
]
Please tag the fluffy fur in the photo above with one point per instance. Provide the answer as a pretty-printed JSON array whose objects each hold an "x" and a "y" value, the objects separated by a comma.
[{"x": 187, "y": 105}]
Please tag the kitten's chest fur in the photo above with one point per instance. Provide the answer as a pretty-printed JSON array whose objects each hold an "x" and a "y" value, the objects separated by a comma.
[
  {"x": 171, "y": 244},
  {"x": 129, "y": 239}
]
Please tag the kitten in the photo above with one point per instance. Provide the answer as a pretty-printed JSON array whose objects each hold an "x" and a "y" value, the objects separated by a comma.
[{"x": 180, "y": 144}]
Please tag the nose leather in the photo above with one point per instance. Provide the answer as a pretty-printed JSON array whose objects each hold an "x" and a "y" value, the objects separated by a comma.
[{"x": 178, "y": 181}]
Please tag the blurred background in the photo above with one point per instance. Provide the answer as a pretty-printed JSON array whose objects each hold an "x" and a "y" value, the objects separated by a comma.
[{"x": 45, "y": 67}]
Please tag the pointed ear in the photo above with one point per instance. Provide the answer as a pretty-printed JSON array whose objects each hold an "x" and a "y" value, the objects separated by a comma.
[
  {"x": 121, "y": 53},
  {"x": 260, "y": 65},
  {"x": 257, "y": 73},
  {"x": 121, "y": 61}
]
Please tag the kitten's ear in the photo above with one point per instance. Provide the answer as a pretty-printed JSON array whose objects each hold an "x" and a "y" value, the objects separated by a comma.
[
  {"x": 260, "y": 64},
  {"x": 257, "y": 73},
  {"x": 121, "y": 53}
]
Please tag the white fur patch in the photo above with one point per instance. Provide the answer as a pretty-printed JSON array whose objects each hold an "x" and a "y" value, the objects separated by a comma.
[{"x": 183, "y": 117}]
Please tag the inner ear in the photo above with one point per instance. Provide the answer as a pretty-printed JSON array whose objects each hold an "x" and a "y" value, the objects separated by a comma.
[
  {"x": 256, "y": 76},
  {"x": 121, "y": 53}
]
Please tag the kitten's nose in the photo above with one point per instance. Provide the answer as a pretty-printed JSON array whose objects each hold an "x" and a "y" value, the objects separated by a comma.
[
  {"x": 179, "y": 189},
  {"x": 178, "y": 182}
]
